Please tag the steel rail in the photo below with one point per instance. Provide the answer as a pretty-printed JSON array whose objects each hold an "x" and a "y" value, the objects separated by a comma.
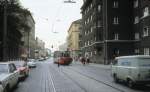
[
  {"x": 96, "y": 80},
  {"x": 51, "y": 79},
  {"x": 74, "y": 81}
]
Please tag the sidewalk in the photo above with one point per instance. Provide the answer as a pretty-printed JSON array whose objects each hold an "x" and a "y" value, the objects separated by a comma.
[{"x": 95, "y": 65}]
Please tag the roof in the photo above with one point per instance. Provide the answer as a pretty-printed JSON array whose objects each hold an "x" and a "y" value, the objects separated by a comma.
[
  {"x": 134, "y": 56},
  {"x": 79, "y": 21}
]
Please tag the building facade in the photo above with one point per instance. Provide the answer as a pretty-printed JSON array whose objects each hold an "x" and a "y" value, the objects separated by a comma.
[
  {"x": 28, "y": 38},
  {"x": 115, "y": 28},
  {"x": 40, "y": 50},
  {"x": 73, "y": 38},
  {"x": 63, "y": 47}
]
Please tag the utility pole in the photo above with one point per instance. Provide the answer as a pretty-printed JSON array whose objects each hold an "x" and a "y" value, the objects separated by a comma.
[{"x": 5, "y": 32}]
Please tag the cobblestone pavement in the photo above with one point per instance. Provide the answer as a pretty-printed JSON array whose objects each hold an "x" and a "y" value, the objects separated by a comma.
[{"x": 47, "y": 77}]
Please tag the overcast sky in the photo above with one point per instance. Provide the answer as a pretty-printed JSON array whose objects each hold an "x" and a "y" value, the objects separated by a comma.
[{"x": 53, "y": 16}]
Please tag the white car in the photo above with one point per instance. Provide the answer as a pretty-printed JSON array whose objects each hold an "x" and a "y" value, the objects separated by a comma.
[
  {"x": 132, "y": 69},
  {"x": 9, "y": 76},
  {"x": 31, "y": 64},
  {"x": 1, "y": 88}
]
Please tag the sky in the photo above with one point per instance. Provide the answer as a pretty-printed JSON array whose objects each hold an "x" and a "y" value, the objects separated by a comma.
[{"x": 53, "y": 19}]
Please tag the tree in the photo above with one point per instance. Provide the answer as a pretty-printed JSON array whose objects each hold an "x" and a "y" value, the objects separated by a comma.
[{"x": 16, "y": 21}]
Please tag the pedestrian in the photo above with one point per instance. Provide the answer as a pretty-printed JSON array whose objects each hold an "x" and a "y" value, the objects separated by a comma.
[
  {"x": 87, "y": 60},
  {"x": 58, "y": 64},
  {"x": 83, "y": 60}
]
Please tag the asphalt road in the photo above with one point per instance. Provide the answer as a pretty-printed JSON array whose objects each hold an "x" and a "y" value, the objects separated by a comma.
[{"x": 47, "y": 77}]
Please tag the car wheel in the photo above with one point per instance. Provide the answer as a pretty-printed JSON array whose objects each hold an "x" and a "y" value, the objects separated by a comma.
[
  {"x": 7, "y": 89},
  {"x": 116, "y": 80},
  {"x": 130, "y": 83}
]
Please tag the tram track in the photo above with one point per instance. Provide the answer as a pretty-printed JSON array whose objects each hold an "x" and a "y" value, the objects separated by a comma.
[
  {"x": 74, "y": 81},
  {"x": 52, "y": 81},
  {"x": 60, "y": 71},
  {"x": 101, "y": 82}
]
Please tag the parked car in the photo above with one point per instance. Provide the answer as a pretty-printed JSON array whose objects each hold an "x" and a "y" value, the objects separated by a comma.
[
  {"x": 23, "y": 68},
  {"x": 1, "y": 88},
  {"x": 9, "y": 76},
  {"x": 132, "y": 69},
  {"x": 41, "y": 59},
  {"x": 31, "y": 64}
]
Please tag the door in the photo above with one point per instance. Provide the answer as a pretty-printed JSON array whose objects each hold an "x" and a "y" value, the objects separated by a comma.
[{"x": 13, "y": 75}]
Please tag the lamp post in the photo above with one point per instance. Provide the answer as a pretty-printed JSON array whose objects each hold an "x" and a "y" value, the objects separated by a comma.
[{"x": 5, "y": 31}]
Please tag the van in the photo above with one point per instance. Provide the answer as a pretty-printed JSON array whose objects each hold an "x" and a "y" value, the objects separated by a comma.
[{"x": 132, "y": 69}]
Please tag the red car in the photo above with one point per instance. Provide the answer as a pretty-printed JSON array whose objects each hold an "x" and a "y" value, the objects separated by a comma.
[{"x": 22, "y": 68}]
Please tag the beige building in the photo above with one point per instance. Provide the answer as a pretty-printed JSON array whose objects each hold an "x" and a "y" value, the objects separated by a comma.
[
  {"x": 73, "y": 38},
  {"x": 40, "y": 50},
  {"x": 63, "y": 47}
]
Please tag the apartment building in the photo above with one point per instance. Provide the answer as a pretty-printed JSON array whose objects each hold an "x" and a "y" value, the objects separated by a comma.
[
  {"x": 73, "y": 38},
  {"x": 115, "y": 28}
]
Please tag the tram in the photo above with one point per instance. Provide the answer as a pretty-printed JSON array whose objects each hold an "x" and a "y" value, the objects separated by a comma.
[{"x": 62, "y": 57}]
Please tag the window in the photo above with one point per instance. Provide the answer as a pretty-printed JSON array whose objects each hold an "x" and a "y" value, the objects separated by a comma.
[
  {"x": 88, "y": 20},
  {"x": 85, "y": 32},
  {"x": 91, "y": 17},
  {"x": 136, "y": 20},
  {"x": 87, "y": 9},
  {"x": 136, "y": 3},
  {"x": 91, "y": 29},
  {"x": 116, "y": 36},
  {"x": 95, "y": 52},
  {"x": 91, "y": 54},
  {"x": 136, "y": 51},
  {"x": 95, "y": 38},
  {"x": 145, "y": 31},
  {"x": 116, "y": 20},
  {"x": 137, "y": 36},
  {"x": 115, "y": 4},
  {"x": 85, "y": 22},
  {"x": 88, "y": 43},
  {"x": 126, "y": 63},
  {"x": 99, "y": 23},
  {"x": 91, "y": 5},
  {"x": 12, "y": 68},
  {"x": 85, "y": 43},
  {"x": 99, "y": 8},
  {"x": 146, "y": 51},
  {"x": 116, "y": 51},
  {"x": 146, "y": 11}
]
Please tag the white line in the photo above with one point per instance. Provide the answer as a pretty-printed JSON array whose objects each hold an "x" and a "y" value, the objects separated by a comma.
[{"x": 52, "y": 83}]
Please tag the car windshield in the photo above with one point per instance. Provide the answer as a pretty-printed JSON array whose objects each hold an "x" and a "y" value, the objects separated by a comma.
[
  {"x": 3, "y": 68},
  {"x": 145, "y": 62}
]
